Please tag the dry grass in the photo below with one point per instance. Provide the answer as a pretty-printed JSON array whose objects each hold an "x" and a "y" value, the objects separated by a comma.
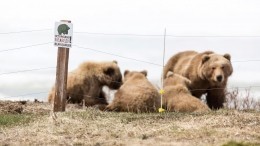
[{"x": 92, "y": 127}]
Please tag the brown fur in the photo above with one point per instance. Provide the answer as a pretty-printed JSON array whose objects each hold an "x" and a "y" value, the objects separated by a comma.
[
  {"x": 203, "y": 70},
  {"x": 177, "y": 96},
  {"x": 87, "y": 80},
  {"x": 136, "y": 94}
]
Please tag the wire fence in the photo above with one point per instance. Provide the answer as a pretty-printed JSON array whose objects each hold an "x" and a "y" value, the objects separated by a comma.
[
  {"x": 24, "y": 31},
  {"x": 23, "y": 47},
  {"x": 28, "y": 70},
  {"x": 161, "y": 35},
  {"x": 107, "y": 53}
]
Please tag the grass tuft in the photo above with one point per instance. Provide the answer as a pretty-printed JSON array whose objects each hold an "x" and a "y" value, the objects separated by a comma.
[
  {"x": 14, "y": 119},
  {"x": 234, "y": 143}
]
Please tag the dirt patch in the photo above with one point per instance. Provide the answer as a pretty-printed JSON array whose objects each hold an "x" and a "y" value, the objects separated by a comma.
[
  {"x": 24, "y": 107},
  {"x": 11, "y": 107},
  {"x": 31, "y": 107}
]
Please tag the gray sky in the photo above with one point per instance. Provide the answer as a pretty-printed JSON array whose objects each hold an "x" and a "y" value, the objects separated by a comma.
[{"x": 147, "y": 17}]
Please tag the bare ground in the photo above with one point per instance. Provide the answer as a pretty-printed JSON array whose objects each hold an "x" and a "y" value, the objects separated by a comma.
[{"x": 90, "y": 126}]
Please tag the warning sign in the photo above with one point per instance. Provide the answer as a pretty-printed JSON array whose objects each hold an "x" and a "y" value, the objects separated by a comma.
[{"x": 63, "y": 34}]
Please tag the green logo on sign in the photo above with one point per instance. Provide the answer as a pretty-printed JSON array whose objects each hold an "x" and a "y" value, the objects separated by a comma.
[{"x": 63, "y": 29}]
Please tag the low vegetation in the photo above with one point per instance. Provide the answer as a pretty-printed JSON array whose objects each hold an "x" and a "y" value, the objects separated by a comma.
[
  {"x": 234, "y": 143},
  {"x": 14, "y": 119},
  {"x": 241, "y": 100}
]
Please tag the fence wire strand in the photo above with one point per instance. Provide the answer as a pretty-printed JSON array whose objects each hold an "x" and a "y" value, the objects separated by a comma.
[
  {"x": 23, "y": 47},
  {"x": 160, "y": 35},
  {"x": 24, "y": 31},
  {"x": 28, "y": 70},
  {"x": 95, "y": 50}
]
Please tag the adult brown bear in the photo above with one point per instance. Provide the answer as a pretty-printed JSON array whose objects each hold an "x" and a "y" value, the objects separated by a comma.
[
  {"x": 208, "y": 72},
  {"x": 87, "y": 80}
]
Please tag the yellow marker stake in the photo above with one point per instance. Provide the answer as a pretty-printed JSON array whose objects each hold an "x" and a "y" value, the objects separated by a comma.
[
  {"x": 161, "y": 91},
  {"x": 161, "y": 109}
]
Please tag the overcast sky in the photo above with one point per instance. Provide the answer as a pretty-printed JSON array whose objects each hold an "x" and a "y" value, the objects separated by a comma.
[{"x": 143, "y": 17}]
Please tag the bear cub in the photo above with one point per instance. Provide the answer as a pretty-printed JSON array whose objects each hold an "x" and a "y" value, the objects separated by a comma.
[
  {"x": 136, "y": 94},
  {"x": 178, "y": 98}
]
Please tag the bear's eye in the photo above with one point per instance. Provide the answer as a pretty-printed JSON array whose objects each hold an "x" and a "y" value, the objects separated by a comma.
[
  {"x": 222, "y": 67},
  {"x": 213, "y": 68}
]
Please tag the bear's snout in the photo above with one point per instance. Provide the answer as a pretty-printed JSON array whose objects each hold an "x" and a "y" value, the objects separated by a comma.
[{"x": 219, "y": 78}]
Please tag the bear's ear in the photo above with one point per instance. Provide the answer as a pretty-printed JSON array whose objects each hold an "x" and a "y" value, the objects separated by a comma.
[
  {"x": 144, "y": 72},
  {"x": 169, "y": 74},
  {"x": 114, "y": 61},
  {"x": 109, "y": 71},
  {"x": 126, "y": 72},
  {"x": 227, "y": 56},
  {"x": 205, "y": 58}
]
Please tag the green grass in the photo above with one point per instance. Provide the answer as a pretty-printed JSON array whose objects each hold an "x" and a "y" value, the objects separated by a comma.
[
  {"x": 14, "y": 119},
  {"x": 234, "y": 143}
]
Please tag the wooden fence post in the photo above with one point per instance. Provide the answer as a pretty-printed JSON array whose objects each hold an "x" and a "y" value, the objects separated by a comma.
[{"x": 61, "y": 78}]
